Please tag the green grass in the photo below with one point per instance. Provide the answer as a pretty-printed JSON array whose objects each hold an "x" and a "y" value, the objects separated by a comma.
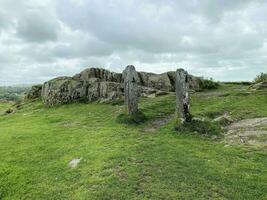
[
  {"x": 122, "y": 161},
  {"x": 4, "y": 106}
]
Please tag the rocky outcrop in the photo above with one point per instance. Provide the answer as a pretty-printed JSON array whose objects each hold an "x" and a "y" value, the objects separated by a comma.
[
  {"x": 163, "y": 81},
  {"x": 99, "y": 73},
  {"x": 104, "y": 91},
  {"x": 34, "y": 93},
  {"x": 97, "y": 84},
  {"x": 63, "y": 90}
]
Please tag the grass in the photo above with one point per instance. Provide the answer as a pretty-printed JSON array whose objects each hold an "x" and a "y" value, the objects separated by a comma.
[
  {"x": 4, "y": 106},
  {"x": 122, "y": 161},
  {"x": 205, "y": 127},
  {"x": 136, "y": 118}
]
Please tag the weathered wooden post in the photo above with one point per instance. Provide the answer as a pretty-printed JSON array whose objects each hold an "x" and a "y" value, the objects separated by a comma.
[
  {"x": 182, "y": 96},
  {"x": 130, "y": 90}
]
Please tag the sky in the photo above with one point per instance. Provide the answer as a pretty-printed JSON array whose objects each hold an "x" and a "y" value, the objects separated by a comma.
[{"x": 43, "y": 39}]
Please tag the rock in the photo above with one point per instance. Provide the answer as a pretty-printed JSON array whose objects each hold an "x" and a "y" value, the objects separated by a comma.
[
  {"x": 161, "y": 93},
  {"x": 97, "y": 84},
  {"x": 35, "y": 92},
  {"x": 99, "y": 73},
  {"x": 104, "y": 91},
  {"x": 182, "y": 96},
  {"x": 74, "y": 163},
  {"x": 9, "y": 111},
  {"x": 146, "y": 91},
  {"x": 130, "y": 89},
  {"x": 248, "y": 131},
  {"x": 224, "y": 120},
  {"x": 260, "y": 86},
  {"x": 194, "y": 83},
  {"x": 156, "y": 81},
  {"x": 63, "y": 90}
]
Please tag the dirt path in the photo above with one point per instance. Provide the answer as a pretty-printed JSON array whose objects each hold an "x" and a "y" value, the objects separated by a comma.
[{"x": 248, "y": 131}]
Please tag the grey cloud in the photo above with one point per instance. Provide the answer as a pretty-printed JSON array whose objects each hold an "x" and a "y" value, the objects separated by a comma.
[
  {"x": 35, "y": 27},
  {"x": 42, "y": 39}
]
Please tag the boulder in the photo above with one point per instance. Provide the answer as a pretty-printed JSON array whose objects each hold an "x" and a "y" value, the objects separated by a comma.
[
  {"x": 99, "y": 73},
  {"x": 156, "y": 81},
  {"x": 146, "y": 91},
  {"x": 63, "y": 90},
  {"x": 194, "y": 82},
  {"x": 224, "y": 120},
  {"x": 104, "y": 91},
  {"x": 34, "y": 92}
]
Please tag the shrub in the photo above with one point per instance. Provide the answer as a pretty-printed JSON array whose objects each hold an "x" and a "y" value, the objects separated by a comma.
[
  {"x": 208, "y": 84},
  {"x": 136, "y": 118},
  {"x": 260, "y": 78}
]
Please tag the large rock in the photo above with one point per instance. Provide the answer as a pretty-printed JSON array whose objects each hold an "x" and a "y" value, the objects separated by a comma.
[
  {"x": 130, "y": 90},
  {"x": 104, "y": 91},
  {"x": 97, "y": 84},
  {"x": 156, "y": 81},
  {"x": 63, "y": 90},
  {"x": 99, "y": 73},
  {"x": 34, "y": 93}
]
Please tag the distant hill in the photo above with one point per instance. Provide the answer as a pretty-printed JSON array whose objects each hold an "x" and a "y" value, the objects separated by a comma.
[{"x": 13, "y": 93}]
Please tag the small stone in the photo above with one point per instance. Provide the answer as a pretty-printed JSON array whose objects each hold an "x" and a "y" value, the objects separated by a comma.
[
  {"x": 74, "y": 163},
  {"x": 9, "y": 111},
  {"x": 224, "y": 120}
]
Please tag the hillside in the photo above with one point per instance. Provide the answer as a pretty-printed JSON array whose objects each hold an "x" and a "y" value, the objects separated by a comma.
[
  {"x": 119, "y": 161},
  {"x": 13, "y": 93}
]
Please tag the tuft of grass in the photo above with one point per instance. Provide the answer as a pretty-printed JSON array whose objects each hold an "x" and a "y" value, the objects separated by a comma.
[
  {"x": 136, "y": 118},
  {"x": 203, "y": 127}
]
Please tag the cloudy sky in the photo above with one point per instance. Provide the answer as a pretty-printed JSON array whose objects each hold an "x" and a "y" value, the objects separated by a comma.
[{"x": 42, "y": 39}]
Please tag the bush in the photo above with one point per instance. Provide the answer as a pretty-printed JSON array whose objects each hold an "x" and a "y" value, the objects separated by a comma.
[
  {"x": 260, "y": 78},
  {"x": 137, "y": 118},
  {"x": 203, "y": 127},
  {"x": 238, "y": 83},
  {"x": 208, "y": 84}
]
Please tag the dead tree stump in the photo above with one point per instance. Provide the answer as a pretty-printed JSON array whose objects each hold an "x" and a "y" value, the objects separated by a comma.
[
  {"x": 182, "y": 96},
  {"x": 130, "y": 90}
]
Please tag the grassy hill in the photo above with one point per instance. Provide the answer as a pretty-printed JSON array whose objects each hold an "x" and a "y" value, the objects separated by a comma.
[{"x": 130, "y": 161}]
